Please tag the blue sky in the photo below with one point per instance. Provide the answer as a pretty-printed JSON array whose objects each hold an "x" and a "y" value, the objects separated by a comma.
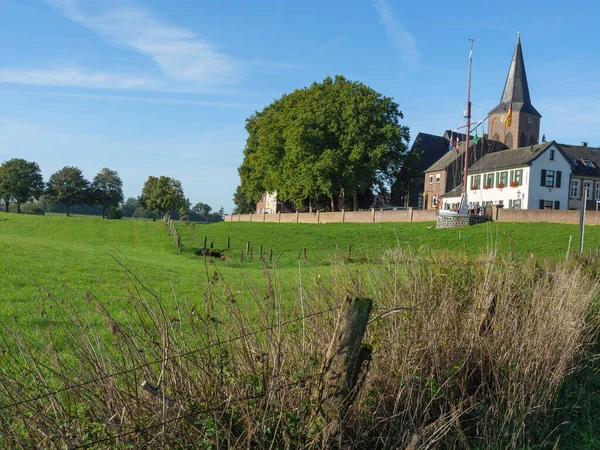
[{"x": 164, "y": 87}]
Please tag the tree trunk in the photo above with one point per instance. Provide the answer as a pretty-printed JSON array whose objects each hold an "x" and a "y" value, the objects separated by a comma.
[
  {"x": 355, "y": 200},
  {"x": 103, "y": 212},
  {"x": 332, "y": 203},
  {"x": 68, "y": 210},
  {"x": 6, "y": 205},
  {"x": 18, "y": 207}
]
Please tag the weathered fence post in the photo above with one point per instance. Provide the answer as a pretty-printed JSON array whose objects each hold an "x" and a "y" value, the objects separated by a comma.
[
  {"x": 228, "y": 241},
  {"x": 271, "y": 255},
  {"x": 242, "y": 257},
  {"x": 343, "y": 363},
  {"x": 349, "y": 251},
  {"x": 247, "y": 247},
  {"x": 205, "y": 238},
  {"x": 178, "y": 244}
]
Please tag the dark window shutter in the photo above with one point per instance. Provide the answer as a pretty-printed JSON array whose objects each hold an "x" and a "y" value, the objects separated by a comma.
[
  {"x": 510, "y": 203},
  {"x": 541, "y": 204},
  {"x": 556, "y": 204},
  {"x": 543, "y": 182},
  {"x": 558, "y": 172}
]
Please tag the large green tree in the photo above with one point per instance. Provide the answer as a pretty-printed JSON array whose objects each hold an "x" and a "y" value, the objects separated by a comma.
[
  {"x": 69, "y": 187},
  {"x": 337, "y": 138},
  {"x": 162, "y": 195},
  {"x": 107, "y": 189},
  {"x": 20, "y": 182},
  {"x": 243, "y": 204}
]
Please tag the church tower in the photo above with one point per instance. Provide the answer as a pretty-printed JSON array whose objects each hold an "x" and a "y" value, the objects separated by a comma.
[{"x": 524, "y": 126}]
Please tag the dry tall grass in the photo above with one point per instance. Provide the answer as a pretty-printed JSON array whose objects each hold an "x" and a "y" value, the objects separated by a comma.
[{"x": 466, "y": 353}]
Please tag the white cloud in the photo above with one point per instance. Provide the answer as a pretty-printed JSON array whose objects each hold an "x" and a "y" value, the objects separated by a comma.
[
  {"x": 399, "y": 38},
  {"x": 179, "y": 52},
  {"x": 75, "y": 77}
]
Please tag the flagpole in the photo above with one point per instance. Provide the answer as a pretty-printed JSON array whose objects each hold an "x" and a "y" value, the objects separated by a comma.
[{"x": 466, "y": 163}]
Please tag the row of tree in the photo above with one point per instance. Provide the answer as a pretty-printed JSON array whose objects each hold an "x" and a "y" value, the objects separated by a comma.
[
  {"x": 337, "y": 140},
  {"x": 21, "y": 182}
]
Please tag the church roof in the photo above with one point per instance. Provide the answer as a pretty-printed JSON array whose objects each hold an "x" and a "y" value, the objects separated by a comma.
[
  {"x": 516, "y": 89},
  {"x": 509, "y": 158},
  {"x": 432, "y": 148}
]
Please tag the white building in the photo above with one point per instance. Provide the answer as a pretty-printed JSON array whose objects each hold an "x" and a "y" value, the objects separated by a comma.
[{"x": 534, "y": 177}]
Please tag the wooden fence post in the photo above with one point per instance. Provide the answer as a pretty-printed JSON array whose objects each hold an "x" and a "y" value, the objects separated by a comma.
[
  {"x": 228, "y": 241},
  {"x": 343, "y": 363},
  {"x": 247, "y": 247}
]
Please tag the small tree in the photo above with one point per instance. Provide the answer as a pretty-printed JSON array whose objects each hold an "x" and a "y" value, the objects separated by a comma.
[
  {"x": 69, "y": 187},
  {"x": 162, "y": 195},
  {"x": 107, "y": 189},
  {"x": 20, "y": 182}
]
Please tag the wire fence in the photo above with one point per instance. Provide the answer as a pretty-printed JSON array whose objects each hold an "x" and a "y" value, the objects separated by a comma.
[{"x": 163, "y": 360}]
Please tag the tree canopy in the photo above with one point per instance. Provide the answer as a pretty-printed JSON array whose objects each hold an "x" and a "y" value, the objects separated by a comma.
[
  {"x": 162, "y": 195},
  {"x": 107, "y": 189},
  {"x": 20, "y": 181},
  {"x": 69, "y": 187},
  {"x": 335, "y": 138}
]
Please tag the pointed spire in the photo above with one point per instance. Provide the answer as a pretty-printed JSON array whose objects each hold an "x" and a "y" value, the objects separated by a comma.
[{"x": 516, "y": 89}]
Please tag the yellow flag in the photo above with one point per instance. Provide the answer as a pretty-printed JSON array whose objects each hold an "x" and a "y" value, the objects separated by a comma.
[{"x": 509, "y": 117}]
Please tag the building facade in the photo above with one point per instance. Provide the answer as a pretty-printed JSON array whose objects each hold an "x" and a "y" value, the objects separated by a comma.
[{"x": 534, "y": 177}]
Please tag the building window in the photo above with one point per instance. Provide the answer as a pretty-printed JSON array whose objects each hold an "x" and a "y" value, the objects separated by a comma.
[
  {"x": 434, "y": 201},
  {"x": 551, "y": 155},
  {"x": 437, "y": 178},
  {"x": 549, "y": 182},
  {"x": 504, "y": 178},
  {"x": 597, "y": 191},
  {"x": 430, "y": 179},
  {"x": 574, "y": 189},
  {"x": 489, "y": 180},
  {"x": 476, "y": 181},
  {"x": 509, "y": 140},
  {"x": 588, "y": 163},
  {"x": 548, "y": 204},
  {"x": 519, "y": 176},
  {"x": 587, "y": 188}
]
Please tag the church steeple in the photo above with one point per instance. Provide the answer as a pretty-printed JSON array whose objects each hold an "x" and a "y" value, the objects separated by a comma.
[
  {"x": 524, "y": 127},
  {"x": 516, "y": 88}
]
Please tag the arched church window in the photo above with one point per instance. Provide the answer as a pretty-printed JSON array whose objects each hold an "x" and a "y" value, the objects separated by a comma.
[
  {"x": 496, "y": 137},
  {"x": 509, "y": 140},
  {"x": 523, "y": 140},
  {"x": 532, "y": 140}
]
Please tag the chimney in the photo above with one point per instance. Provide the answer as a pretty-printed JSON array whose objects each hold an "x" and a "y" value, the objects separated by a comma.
[{"x": 584, "y": 144}]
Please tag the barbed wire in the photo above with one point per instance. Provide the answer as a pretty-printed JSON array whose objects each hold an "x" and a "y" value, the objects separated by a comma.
[
  {"x": 162, "y": 360},
  {"x": 192, "y": 414}
]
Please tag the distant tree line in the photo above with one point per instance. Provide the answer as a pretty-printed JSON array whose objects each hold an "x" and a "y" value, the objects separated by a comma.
[{"x": 22, "y": 190}]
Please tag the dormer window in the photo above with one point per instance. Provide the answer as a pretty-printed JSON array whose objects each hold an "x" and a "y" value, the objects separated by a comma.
[
  {"x": 588, "y": 163},
  {"x": 575, "y": 162},
  {"x": 551, "y": 155}
]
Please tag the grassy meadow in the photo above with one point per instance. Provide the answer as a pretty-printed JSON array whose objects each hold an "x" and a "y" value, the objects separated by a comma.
[{"x": 83, "y": 297}]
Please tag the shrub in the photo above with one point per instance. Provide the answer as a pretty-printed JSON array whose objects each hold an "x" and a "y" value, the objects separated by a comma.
[{"x": 114, "y": 213}]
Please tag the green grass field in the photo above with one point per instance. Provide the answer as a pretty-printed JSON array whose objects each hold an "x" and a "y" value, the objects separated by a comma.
[{"x": 71, "y": 258}]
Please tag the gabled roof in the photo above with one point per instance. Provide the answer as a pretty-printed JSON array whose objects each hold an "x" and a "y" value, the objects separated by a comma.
[
  {"x": 580, "y": 154},
  {"x": 432, "y": 148},
  {"x": 456, "y": 192},
  {"x": 451, "y": 155},
  {"x": 513, "y": 157},
  {"x": 516, "y": 88}
]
